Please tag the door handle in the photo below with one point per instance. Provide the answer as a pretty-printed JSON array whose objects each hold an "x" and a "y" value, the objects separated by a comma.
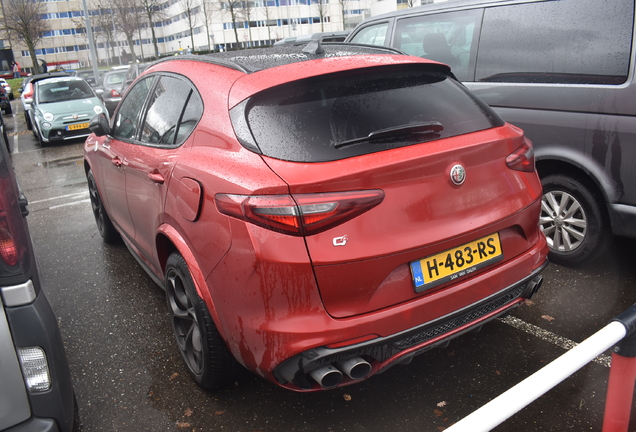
[
  {"x": 116, "y": 161},
  {"x": 156, "y": 177}
]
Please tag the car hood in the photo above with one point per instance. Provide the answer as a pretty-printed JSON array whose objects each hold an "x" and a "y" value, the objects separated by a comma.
[{"x": 70, "y": 106}]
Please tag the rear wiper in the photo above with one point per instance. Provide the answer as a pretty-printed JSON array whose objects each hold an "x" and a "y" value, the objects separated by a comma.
[{"x": 412, "y": 128}]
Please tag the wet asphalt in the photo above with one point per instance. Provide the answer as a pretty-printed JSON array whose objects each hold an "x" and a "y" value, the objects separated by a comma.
[{"x": 129, "y": 376}]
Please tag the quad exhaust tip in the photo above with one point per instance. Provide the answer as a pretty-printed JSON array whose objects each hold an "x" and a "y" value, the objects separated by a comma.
[{"x": 331, "y": 375}]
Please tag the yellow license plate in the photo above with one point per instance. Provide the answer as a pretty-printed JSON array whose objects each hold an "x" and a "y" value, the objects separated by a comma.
[
  {"x": 77, "y": 126},
  {"x": 456, "y": 263}
]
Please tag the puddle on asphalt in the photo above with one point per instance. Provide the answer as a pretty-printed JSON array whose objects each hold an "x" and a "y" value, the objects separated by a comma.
[{"x": 61, "y": 162}]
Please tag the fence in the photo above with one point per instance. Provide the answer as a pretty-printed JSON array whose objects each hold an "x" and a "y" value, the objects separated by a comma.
[{"x": 621, "y": 331}]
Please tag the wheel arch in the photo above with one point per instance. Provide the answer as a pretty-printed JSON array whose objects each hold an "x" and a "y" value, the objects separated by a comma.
[
  {"x": 169, "y": 240},
  {"x": 581, "y": 167}
]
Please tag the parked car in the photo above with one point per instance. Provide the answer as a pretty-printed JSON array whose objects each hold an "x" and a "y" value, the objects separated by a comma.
[
  {"x": 88, "y": 76},
  {"x": 563, "y": 71},
  {"x": 26, "y": 90},
  {"x": 5, "y": 103},
  {"x": 7, "y": 87},
  {"x": 36, "y": 392},
  {"x": 320, "y": 213},
  {"x": 336, "y": 36},
  {"x": 132, "y": 73},
  {"x": 110, "y": 83},
  {"x": 61, "y": 109},
  {"x": 3, "y": 132}
]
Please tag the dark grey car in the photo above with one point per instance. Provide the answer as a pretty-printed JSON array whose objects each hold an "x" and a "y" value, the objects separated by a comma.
[
  {"x": 110, "y": 83},
  {"x": 36, "y": 392},
  {"x": 563, "y": 71}
]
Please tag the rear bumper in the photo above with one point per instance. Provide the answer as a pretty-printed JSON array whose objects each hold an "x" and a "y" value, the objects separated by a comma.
[
  {"x": 35, "y": 324},
  {"x": 382, "y": 353}
]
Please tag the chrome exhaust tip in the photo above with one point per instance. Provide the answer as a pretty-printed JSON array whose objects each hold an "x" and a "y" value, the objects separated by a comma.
[
  {"x": 327, "y": 376},
  {"x": 355, "y": 368}
]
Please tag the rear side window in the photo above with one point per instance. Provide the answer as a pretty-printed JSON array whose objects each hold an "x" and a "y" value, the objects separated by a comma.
[
  {"x": 449, "y": 38},
  {"x": 338, "y": 116},
  {"x": 570, "y": 42}
]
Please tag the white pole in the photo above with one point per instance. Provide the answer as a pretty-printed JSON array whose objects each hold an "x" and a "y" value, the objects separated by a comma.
[{"x": 510, "y": 402}]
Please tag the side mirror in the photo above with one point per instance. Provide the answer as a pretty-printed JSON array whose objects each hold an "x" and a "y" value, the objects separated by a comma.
[
  {"x": 99, "y": 92},
  {"x": 28, "y": 100},
  {"x": 99, "y": 125}
]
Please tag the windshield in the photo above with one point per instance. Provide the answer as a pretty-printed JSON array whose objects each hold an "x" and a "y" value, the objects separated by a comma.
[{"x": 60, "y": 91}]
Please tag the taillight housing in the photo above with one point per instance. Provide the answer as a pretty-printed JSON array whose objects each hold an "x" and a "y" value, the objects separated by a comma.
[
  {"x": 299, "y": 214},
  {"x": 522, "y": 159},
  {"x": 114, "y": 93},
  {"x": 14, "y": 256},
  {"x": 28, "y": 91}
]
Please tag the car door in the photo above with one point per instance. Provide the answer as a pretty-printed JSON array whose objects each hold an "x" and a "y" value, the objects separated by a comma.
[
  {"x": 112, "y": 157},
  {"x": 174, "y": 107}
]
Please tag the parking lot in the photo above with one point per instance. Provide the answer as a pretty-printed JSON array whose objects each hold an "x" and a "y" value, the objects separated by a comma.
[{"x": 129, "y": 376}]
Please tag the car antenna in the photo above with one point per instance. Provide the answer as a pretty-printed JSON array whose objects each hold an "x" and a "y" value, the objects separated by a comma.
[{"x": 313, "y": 47}]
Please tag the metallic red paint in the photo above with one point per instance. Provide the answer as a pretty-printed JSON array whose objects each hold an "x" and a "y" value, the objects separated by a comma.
[{"x": 273, "y": 296}]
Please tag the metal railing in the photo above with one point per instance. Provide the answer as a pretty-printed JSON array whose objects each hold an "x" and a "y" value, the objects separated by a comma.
[{"x": 621, "y": 331}]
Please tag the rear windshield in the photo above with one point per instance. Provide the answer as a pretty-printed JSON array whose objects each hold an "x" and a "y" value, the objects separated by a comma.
[{"x": 339, "y": 116}]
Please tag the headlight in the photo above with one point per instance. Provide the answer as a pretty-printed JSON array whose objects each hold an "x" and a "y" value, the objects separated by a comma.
[
  {"x": 48, "y": 116},
  {"x": 98, "y": 109}
]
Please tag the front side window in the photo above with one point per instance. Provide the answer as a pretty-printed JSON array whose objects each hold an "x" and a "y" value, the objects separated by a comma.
[
  {"x": 338, "y": 116},
  {"x": 174, "y": 108},
  {"x": 372, "y": 35},
  {"x": 126, "y": 122},
  {"x": 449, "y": 38},
  {"x": 569, "y": 42}
]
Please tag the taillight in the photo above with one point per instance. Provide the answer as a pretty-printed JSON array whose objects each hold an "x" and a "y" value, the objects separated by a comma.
[
  {"x": 114, "y": 93},
  {"x": 28, "y": 91},
  {"x": 301, "y": 214},
  {"x": 522, "y": 159},
  {"x": 14, "y": 257},
  {"x": 8, "y": 248}
]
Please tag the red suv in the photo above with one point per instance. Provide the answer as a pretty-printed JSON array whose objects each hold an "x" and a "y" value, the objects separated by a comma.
[{"x": 317, "y": 214}]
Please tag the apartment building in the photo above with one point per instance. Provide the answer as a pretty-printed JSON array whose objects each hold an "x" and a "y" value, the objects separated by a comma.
[{"x": 182, "y": 26}]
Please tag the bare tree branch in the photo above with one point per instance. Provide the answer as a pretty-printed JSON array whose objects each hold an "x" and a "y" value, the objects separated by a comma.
[
  {"x": 190, "y": 9},
  {"x": 23, "y": 23},
  {"x": 124, "y": 16},
  {"x": 154, "y": 13}
]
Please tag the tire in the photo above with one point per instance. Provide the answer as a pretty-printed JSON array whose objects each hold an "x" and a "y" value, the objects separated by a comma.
[
  {"x": 573, "y": 220},
  {"x": 27, "y": 119},
  {"x": 202, "y": 348},
  {"x": 104, "y": 224},
  {"x": 36, "y": 135},
  {"x": 8, "y": 110}
]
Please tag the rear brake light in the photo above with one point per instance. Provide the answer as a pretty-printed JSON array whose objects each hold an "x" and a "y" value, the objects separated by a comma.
[
  {"x": 114, "y": 93},
  {"x": 302, "y": 214},
  {"x": 522, "y": 159},
  {"x": 28, "y": 91},
  {"x": 8, "y": 248}
]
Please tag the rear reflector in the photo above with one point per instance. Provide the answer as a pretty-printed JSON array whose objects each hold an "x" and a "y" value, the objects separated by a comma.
[{"x": 302, "y": 214}]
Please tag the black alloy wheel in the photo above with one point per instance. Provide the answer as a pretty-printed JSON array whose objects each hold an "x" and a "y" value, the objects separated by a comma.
[
  {"x": 201, "y": 346},
  {"x": 104, "y": 224}
]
